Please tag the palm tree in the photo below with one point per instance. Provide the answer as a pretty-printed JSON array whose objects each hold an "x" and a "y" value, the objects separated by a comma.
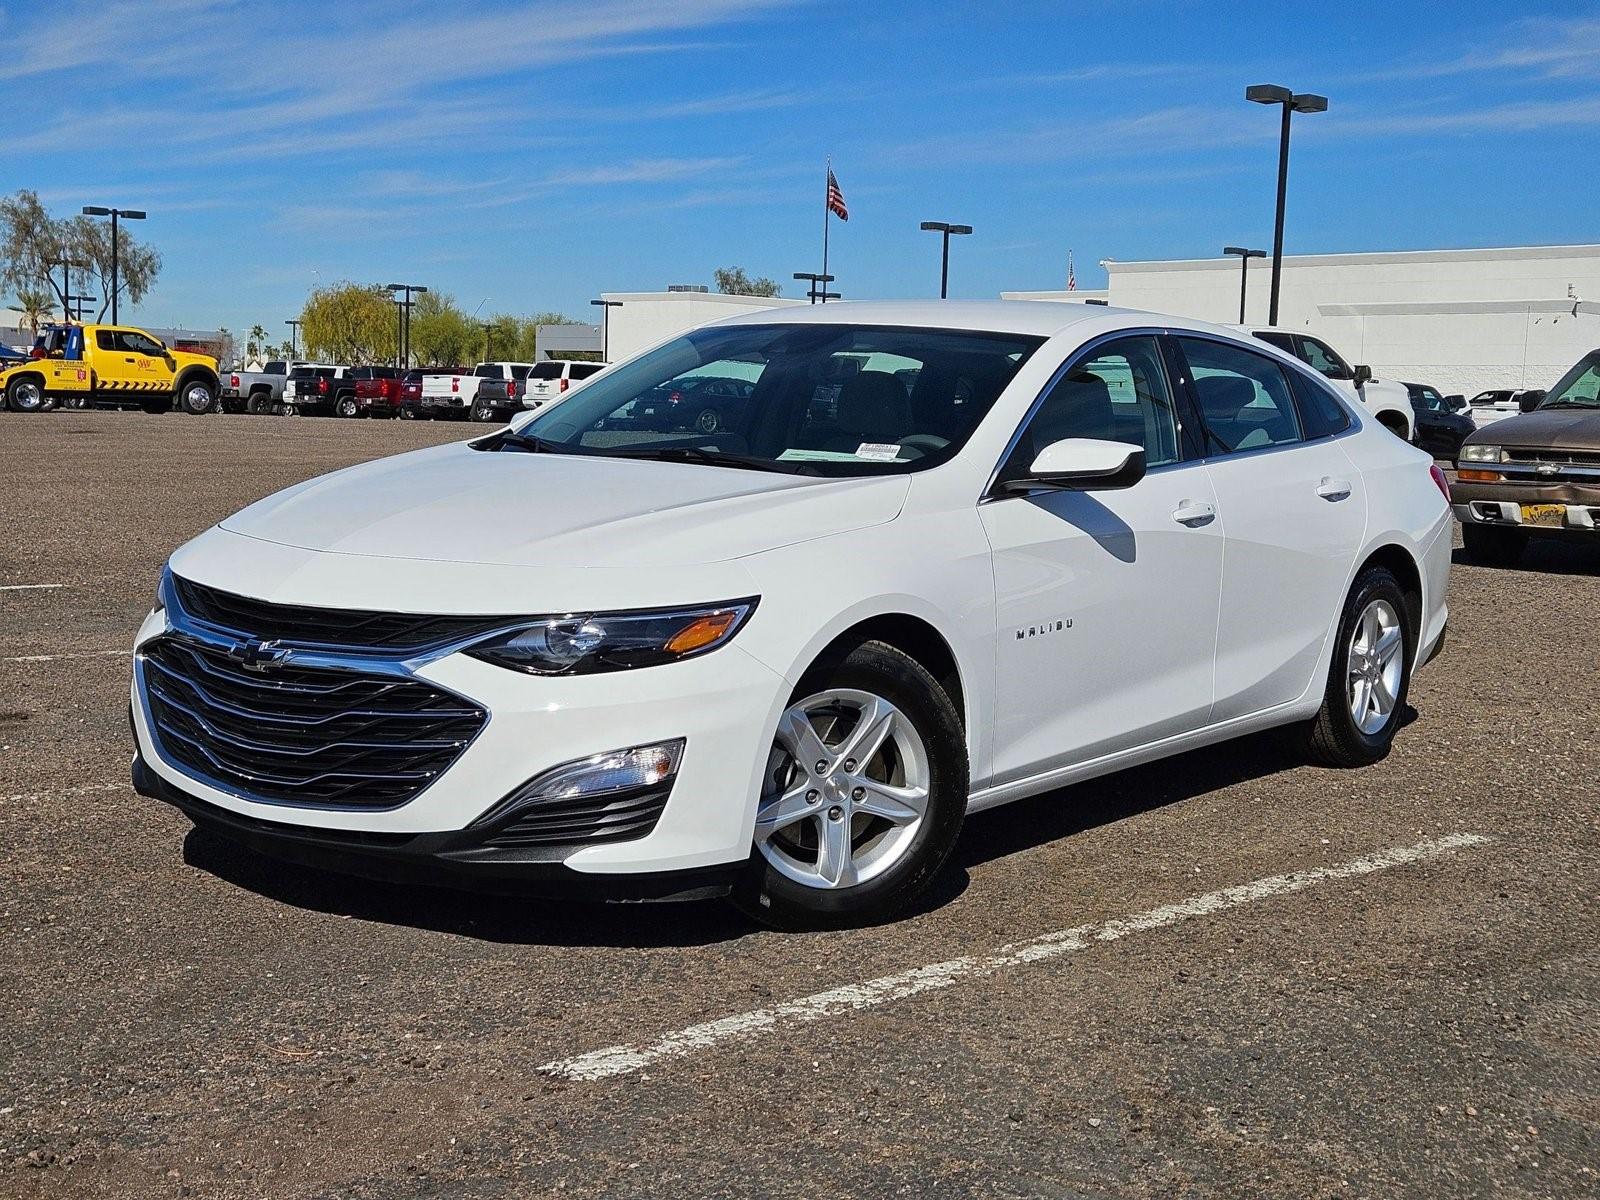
[{"x": 36, "y": 305}]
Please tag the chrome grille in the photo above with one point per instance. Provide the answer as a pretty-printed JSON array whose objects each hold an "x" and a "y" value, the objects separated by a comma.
[
  {"x": 1565, "y": 458},
  {"x": 302, "y": 735}
]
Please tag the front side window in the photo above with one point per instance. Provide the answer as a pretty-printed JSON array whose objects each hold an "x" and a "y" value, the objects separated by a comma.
[
  {"x": 1323, "y": 359},
  {"x": 1243, "y": 397},
  {"x": 1118, "y": 394},
  {"x": 822, "y": 399},
  {"x": 1579, "y": 387}
]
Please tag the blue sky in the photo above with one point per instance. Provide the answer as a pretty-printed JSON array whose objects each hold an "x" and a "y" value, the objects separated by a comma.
[{"x": 532, "y": 154}]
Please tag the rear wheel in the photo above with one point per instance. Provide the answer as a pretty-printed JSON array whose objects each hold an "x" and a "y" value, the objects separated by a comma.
[
  {"x": 864, "y": 795},
  {"x": 708, "y": 421},
  {"x": 347, "y": 407},
  {"x": 1368, "y": 677},
  {"x": 259, "y": 404},
  {"x": 25, "y": 395},
  {"x": 196, "y": 397},
  {"x": 1494, "y": 546},
  {"x": 482, "y": 410}
]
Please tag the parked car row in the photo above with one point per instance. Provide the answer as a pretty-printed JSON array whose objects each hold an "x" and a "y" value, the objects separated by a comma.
[{"x": 488, "y": 392}]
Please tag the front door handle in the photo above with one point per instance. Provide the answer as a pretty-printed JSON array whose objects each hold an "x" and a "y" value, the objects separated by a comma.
[
  {"x": 1333, "y": 490},
  {"x": 1194, "y": 513}
]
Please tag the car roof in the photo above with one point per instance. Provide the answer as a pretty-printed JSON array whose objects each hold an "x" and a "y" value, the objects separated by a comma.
[{"x": 1044, "y": 318}]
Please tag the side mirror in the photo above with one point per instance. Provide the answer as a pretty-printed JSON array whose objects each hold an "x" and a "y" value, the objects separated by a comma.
[
  {"x": 1363, "y": 375},
  {"x": 1083, "y": 465},
  {"x": 1529, "y": 401},
  {"x": 1456, "y": 400}
]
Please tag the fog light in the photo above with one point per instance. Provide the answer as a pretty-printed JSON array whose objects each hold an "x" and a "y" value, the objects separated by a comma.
[{"x": 634, "y": 769}]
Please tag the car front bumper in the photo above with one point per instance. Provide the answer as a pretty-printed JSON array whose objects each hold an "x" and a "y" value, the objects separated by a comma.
[
  {"x": 1506, "y": 503},
  {"x": 724, "y": 705}
]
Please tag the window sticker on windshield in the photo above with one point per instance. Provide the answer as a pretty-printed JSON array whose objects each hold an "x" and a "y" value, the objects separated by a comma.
[{"x": 878, "y": 451}]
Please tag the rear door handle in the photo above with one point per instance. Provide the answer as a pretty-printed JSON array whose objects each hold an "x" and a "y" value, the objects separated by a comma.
[
  {"x": 1333, "y": 490},
  {"x": 1194, "y": 513}
]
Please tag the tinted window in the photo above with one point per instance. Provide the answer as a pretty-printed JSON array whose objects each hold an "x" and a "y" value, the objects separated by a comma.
[
  {"x": 275, "y": 368},
  {"x": 1281, "y": 340},
  {"x": 1244, "y": 397},
  {"x": 1118, "y": 394},
  {"x": 489, "y": 371},
  {"x": 1322, "y": 413},
  {"x": 520, "y": 372},
  {"x": 825, "y": 399},
  {"x": 584, "y": 370},
  {"x": 1324, "y": 359},
  {"x": 546, "y": 370}
]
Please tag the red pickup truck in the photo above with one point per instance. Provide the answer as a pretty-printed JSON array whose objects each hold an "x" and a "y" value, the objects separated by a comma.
[{"x": 377, "y": 393}]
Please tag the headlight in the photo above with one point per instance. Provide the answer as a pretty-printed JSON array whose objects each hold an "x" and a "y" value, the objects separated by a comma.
[
  {"x": 584, "y": 643},
  {"x": 1479, "y": 452}
]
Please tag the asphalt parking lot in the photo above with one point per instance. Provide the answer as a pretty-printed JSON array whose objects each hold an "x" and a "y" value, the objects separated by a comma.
[{"x": 1228, "y": 974}]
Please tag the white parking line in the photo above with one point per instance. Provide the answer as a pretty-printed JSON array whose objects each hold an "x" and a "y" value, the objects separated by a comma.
[
  {"x": 37, "y": 658},
  {"x": 29, "y": 587},
  {"x": 622, "y": 1060},
  {"x": 61, "y": 793}
]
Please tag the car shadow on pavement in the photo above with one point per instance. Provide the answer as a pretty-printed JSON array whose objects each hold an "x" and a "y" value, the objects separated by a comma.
[
  {"x": 1023, "y": 825},
  {"x": 1544, "y": 556},
  {"x": 519, "y": 920}
]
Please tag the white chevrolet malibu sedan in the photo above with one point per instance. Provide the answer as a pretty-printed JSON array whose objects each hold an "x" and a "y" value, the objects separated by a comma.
[{"x": 928, "y": 559}]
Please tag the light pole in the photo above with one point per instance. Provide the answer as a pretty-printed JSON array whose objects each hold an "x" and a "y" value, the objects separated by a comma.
[
  {"x": 116, "y": 214},
  {"x": 82, "y": 301},
  {"x": 410, "y": 289},
  {"x": 605, "y": 307},
  {"x": 1245, "y": 255},
  {"x": 1271, "y": 93},
  {"x": 66, "y": 265},
  {"x": 294, "y": 338},
  {"x": 945, "y": 228},
  {"x": 488, "y": 340},
  {"x": 818, "y": 289}
]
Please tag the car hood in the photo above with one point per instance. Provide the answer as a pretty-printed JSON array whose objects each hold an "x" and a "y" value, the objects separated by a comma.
[
  {"x": 455, "y": 504},
  {"x": 1556, "y": 429}
]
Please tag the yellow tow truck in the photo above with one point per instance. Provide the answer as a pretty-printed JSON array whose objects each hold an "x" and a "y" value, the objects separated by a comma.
[{"x": 89, "y": 366}]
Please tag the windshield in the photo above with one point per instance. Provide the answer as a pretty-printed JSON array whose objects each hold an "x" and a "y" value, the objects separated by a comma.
[
  {"x": 804, "y": 398},
  {"x": 1579, "y": 387}
]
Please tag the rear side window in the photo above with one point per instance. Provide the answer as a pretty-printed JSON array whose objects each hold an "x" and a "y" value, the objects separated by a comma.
[
  {"x": 545, "y": 370},
  {"x": 1321, "y": 412},
  {"x": 274, "y": 368},
  {"x": 520, "y": 372},
  {"x": 1244, "y": 397},
  {"x": 584, "y": 370},
  {"x": 1281, "y": 340},
  {"x": 489, "y": 371}
]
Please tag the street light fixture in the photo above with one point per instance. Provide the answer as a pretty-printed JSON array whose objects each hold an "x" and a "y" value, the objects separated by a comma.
[
  {"x": 818, "y": 289},
  {"x": 66, "y": 265},
  {"x": 294, "y": 338},
  {"x": 1306, "y": 102},
  {"x": 1245, "y": 255},
  {"x": 403, "y": 317},
  {"x": 116, "y": 214},
  {"x": 605, "y": 307},
  {"x": 945, "y": 228}
]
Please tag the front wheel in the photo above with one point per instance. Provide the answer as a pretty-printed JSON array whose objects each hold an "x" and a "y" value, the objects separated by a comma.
[
  {"x": 1493, "y": 546},
  {"x": 1368, "y": 677},
  {"x": 864, "y": 795}
]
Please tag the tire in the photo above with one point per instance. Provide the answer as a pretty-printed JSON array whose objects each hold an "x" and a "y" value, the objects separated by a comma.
[
  {"x": 886, "y": 854},
  {"x": 346, "y": 407},
  {"x": 708, "y": 420},
  {"x": 291, "y": 409},
  {"x": 259, "y": 404},
  {"x": 195, "y": 397},
  {"x": 407, "y": 414},
  {"x": 482, "y": 410},
  {"x": 1491, "y": 546},
  {"x": 25, "y": 395},
  {"x": 1370, "y": 671}
]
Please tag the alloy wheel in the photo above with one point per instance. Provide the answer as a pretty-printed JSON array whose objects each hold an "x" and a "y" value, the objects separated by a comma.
[
  {"x": 847, "y": 790},
  {"x": 1376, "y": 661},
  {"x": 27, "y": 396}
]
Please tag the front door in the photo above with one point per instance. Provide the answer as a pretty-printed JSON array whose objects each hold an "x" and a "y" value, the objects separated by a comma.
[
  {"x": 1106, "y": 601},
  {"x": 1295, "y": 510}
]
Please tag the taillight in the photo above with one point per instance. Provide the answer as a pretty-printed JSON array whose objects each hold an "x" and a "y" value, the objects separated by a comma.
[
  {"x": 455, "y": 384},
  {"x": 322, "y": 386},
  {"x": 233, "y": 382},
  {"x": 675, "y": 397},
  {"x": 563, "y": 385},
  {"x": 1439, "y": 480}
]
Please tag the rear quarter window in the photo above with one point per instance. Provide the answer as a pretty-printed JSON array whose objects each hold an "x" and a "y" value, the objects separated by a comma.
[{"x": 1322, "y": 414}]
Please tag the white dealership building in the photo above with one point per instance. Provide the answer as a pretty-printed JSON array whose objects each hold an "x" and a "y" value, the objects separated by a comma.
[{"x": 1462, "y": 320}]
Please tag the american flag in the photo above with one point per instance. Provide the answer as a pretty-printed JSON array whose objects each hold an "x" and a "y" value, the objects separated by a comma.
[{"x": 836, "y": 198}]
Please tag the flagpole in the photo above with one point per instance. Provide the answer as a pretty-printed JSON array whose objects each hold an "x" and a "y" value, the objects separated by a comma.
[{"x": 827, "y": 211}]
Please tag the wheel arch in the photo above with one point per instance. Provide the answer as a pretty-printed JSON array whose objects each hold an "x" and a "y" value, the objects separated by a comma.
[
  {"x": 919, "y": 640},
  {"x": 188, "y": 374},
  {"x": 1402, "y": 564}
]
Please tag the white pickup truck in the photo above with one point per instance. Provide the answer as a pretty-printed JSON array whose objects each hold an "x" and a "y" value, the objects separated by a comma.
[
  {"x": 1389, "y": 403},
  {"x": 448, "y": 394}
]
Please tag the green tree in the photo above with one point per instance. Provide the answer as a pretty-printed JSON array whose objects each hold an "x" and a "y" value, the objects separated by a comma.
[
  {"x": 441, "y": 334},
  {"x": 31, "y": 241},
  {"x": 36, "y": 306},
  {"x": 89, "y": 240},
  {"x": 733, "y": 281},
  {"x": 350, "y": 323},
  {"x": 256, "y": 348}
]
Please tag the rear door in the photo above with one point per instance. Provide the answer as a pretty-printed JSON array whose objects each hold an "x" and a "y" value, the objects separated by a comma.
[{"x": 1293, "y": 508}]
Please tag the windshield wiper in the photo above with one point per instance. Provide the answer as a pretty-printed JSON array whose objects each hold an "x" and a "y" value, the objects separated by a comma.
[
  {"x": 698, "y": 454},
  {"x": 1572, "y": 404},
  {"x": 529, "y": 443}
]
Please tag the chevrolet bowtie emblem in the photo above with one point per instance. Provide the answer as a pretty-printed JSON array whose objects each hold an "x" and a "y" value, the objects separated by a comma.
[
  {"x": 1549, "y": 469},
  {"x": 257, "y": 655}
]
